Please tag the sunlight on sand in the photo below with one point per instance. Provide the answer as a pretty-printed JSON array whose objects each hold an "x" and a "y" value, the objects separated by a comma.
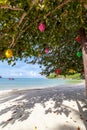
[{"x": 57, "y": 108}]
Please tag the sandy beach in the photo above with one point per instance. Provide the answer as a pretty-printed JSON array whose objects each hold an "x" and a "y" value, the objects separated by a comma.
[{"x": 55, "y": 108}]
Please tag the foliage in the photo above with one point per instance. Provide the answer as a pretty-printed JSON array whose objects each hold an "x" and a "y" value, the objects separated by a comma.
[
  {"x": 71, "y": 76},
  {"x": 52, "y": 75},
  {"x": 19, "y": 21}
]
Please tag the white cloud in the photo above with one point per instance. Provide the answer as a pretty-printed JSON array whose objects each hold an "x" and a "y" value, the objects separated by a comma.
[
  {"x": 20, "y": 70},
  {"x": 20, "y": 74},
  {"x": 23, "y": 73},
  {"x": 15, "y": 74},
  {"x": 33, "y": 74}
]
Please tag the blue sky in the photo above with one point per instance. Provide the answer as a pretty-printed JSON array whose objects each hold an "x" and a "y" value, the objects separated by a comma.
[{"x": 20, "y": 70}]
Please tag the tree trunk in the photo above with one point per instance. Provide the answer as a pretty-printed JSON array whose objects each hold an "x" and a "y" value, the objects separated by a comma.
[{"x": 84, "y": 53}]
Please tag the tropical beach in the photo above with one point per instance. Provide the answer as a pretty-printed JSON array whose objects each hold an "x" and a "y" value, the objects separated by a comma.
[
  {"x": 43, "y": 65},
  {"x": 53, "y": 108}
]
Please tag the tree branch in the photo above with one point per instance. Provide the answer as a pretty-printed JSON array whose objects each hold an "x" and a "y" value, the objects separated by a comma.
[
  {"x": 21, "y": 19},
  {"x": 2, "y": 36},
  {"x": 18, "y": 36},
  {"x": 11, "y": 8},
  {"x": 58, "y": 7},
  {"x": 82, "y": 32}
]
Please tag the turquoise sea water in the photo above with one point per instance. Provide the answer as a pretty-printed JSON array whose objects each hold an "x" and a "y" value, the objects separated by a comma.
[
  {"x": 19, "y": 83},
  {"x": 23, "y": 83}
]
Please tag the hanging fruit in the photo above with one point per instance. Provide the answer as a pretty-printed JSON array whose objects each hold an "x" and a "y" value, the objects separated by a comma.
[
  {"x": 46, "y": 50},
  {"x": 71, "y": 70},
  {"x": 78, "y": 39},
  {"x": 58, "y": 71},
  {"x": 79, "y": 53},
  {"x": 9, "y": 53},
  {"x": 23, "y": 49},
  {"x": 41, "y": 27}
]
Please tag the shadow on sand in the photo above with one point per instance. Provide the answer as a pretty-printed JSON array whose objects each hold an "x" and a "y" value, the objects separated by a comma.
[{"x": 22, "y": 102}]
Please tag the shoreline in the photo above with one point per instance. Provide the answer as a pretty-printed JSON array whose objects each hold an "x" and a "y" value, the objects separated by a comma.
[
  {"x": 27, "y": 84},
  {"x": 68, "y": 86},
  {"x": 62, "y": 85}
]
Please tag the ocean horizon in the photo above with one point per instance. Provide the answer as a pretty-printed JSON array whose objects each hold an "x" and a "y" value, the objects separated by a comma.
[
  {"x": 20, "y": 83},
  {"x": 28, "y": 83}
]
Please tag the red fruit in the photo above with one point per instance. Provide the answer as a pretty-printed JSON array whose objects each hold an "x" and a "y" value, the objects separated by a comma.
[
  {"x": 23, "y": 49},
  {"x": 41, "y": 27},
  {"x": 78, "y": 39},
  {"x": 58, "y": 71},
  {"x": 46, "y": 50}
]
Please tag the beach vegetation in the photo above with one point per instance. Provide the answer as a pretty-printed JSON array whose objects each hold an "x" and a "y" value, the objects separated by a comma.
[{"x": 76, "y": 76}]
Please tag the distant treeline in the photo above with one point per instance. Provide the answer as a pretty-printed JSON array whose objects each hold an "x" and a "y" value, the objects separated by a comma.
[{"x": 77, "y": 76}]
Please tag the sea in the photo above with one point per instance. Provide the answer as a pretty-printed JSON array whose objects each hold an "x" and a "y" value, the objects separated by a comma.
[{"x": 29, "y": 83}]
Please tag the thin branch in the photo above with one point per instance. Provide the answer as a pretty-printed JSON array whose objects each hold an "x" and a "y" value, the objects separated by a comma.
[
  {"x": 21, "y": 31},
  {"x": 58, "y": 7},
  {"x": 18, "y": 36},
  {"x": 13, "y": 39},
  {"x": 2, "y": 36},
  {"x": 11, "y": 8},
  {"x": 21, "y": 19}
]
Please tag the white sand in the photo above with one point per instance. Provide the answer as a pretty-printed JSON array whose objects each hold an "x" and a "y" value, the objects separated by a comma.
[{"x": 57, "y": 108}]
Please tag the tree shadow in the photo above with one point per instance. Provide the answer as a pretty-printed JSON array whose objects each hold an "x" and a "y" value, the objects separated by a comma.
[
  {"x": 83, "y": 111},
  {"x": 67, "y": 127},
  {"x": 23, "y": 103}
]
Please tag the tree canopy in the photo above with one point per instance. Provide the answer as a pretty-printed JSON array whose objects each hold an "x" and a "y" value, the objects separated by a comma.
[{"x": 47, "y": 30}]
